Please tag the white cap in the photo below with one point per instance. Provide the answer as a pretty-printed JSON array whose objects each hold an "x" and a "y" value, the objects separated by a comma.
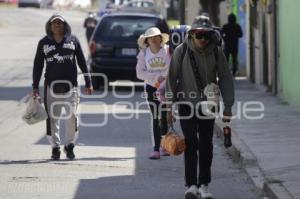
[{"x": 58, "y": 17}]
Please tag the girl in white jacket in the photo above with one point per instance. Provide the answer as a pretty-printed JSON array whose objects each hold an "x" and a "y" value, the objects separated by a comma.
[{"x": 152, "y": 66}]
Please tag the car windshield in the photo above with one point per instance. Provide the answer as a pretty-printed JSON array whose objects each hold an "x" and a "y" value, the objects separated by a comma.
[
  {"x": 124, "y": 27},
  {"x": 140, "y": 4}
]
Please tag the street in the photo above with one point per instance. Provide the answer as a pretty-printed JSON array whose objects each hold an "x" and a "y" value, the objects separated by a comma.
[{"x": 114, "y": 140}]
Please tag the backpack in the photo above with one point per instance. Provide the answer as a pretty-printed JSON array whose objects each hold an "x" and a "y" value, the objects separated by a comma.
[
  {"x": 191, "y": 54},
  {"x": 185, "y": 49}
]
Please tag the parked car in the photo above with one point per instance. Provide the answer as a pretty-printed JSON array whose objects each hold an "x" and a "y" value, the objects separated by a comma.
[
  {"x": 82, "y": 4},
  {"x": 113, "y": 45},
  {"x": 35, "y": 3},
  {"x": 9, "y": 1},
  {"x": 139, "y": 5}
]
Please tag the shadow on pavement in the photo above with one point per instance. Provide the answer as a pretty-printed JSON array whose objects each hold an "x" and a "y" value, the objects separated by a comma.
[
  {"x": 131, "y": 187},
  {"x": 41, "y": 161},
  {"x": 150, "y": 179},
  {"x": 14, "y": 93}
]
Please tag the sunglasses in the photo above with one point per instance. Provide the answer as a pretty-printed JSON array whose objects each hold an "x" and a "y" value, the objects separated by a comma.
[{"x": 203, "y": 35}]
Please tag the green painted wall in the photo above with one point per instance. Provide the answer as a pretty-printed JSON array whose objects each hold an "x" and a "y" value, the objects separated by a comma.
[
  {"x": 235, "y": 9},
  {"x": 289, "y": 49}
]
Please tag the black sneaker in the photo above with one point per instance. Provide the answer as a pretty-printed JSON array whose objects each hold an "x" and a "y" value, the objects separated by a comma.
[
  {"x": 69, "y": 151},
  {"x": 55, "y": 153}
]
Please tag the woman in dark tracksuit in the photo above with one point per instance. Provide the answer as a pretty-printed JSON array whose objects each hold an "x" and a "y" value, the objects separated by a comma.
[{"x": 196, "y": 64}]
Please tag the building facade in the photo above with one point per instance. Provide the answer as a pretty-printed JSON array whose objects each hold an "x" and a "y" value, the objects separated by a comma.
[{"x": 268, "y": 51}]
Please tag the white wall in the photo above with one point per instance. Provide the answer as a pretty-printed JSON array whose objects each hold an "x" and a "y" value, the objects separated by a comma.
[{"x": 192, "y": 10}]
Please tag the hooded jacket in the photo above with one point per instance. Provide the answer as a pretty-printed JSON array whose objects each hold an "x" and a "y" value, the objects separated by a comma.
[
  {"x": 61, "y": 58},
  {"x": 209, "y": 68},
  {"x": 231, "y": 33}
]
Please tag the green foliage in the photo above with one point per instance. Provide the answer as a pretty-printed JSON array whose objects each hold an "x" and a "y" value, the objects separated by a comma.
[{"x": 172, "y": 23}]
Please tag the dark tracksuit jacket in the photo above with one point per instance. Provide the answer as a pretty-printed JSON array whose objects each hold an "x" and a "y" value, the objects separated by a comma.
[{"x": 61, "y": 59}]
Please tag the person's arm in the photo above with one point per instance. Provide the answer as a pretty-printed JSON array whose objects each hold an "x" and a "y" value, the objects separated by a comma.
[
  {"x": 85, "y": 23},
  {"x": 38, "y": 66},
  {"x": 225, "y": 82},
  {"x": 83, "y": 66},
  {"x": 223, "y": 32},
  {"x": 141, "y": 69},
  {"x": 171, "y": 81}
]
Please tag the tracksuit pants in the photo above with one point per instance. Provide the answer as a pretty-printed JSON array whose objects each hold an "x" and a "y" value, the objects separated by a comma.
[{"x": 54, "y": 104}]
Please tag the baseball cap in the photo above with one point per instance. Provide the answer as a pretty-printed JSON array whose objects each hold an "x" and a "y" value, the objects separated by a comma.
[{"x": 58, "y": 17}]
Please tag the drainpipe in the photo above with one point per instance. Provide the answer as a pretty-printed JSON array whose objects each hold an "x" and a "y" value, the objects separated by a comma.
[{"x": 275, "y": 78}]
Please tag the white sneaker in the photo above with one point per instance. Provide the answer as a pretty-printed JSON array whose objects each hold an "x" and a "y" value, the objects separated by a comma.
[
  {"x": 204, "y": 192},
  {"x": 192, "y": 192}
]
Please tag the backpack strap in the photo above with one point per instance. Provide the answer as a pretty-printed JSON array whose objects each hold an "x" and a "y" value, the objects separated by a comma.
[
  {"x": 216, "y": 53},
  {"x": 191, "y": 55},
  {"x": 199, "y": 81},
  {"x": 184, "y": 50}
]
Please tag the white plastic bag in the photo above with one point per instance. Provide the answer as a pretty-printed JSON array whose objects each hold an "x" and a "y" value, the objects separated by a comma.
[
  {"x": 34, "y": 112},
  {"x": 212, "y": 93}
]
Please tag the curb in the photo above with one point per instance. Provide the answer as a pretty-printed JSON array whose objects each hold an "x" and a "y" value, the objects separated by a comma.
[
  {"x": 276, "y": 191},
  {"x": 244, "y": 156}
]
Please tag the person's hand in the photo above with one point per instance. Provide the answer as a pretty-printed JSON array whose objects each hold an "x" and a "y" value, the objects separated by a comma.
[
  {"x": 161, "y": 79},
  {"x": 226, "y": 116},
  {"x": 88, "y": 90},
  {"x": 170, "y": 118},
  {"x": 35, "y": 93}
]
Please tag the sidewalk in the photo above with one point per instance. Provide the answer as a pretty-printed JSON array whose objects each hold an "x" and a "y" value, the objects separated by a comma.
[{"x": 268, "y": 148}]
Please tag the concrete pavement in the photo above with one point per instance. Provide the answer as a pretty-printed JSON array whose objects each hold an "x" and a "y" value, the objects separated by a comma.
[
  {"x": 111, "y": 161},
  {"x": 267, "y": 148}
]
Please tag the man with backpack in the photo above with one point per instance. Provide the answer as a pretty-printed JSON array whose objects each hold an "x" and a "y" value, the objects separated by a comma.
[{"x": 192, "y": 83}]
